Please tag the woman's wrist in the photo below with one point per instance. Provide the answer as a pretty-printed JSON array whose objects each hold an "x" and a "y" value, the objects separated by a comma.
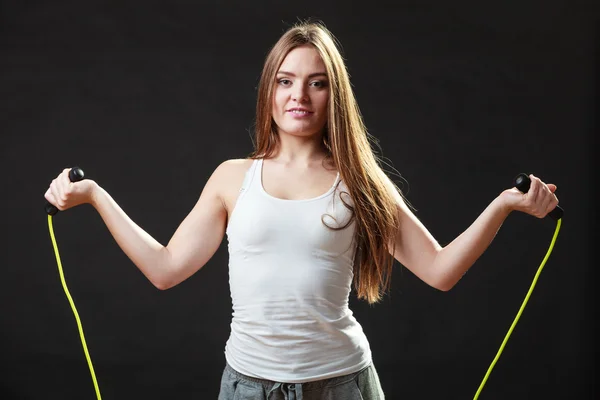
[
  {"x": 95, "y": 193},
  {"x": 503, "y": 204}
]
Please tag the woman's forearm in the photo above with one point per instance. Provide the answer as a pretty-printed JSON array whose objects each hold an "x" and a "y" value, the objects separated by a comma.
[
  {"x": 151, "y": 257},
  {"x": 453, "y": 260}
]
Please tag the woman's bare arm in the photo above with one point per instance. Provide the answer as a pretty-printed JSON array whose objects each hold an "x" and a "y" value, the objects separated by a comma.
[
  {"x": 442, "y": 267},
  {"x": 195, "y": 241}
]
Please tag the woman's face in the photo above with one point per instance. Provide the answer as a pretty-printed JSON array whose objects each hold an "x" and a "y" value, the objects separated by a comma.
[{"x": 301, "y": 93}]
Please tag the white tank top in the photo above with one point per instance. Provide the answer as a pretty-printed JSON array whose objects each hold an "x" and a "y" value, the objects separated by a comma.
[{"x": 290, "y": 278}]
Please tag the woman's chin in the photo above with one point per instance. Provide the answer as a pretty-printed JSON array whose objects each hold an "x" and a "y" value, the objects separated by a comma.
[{"x": 300, "y": 131}]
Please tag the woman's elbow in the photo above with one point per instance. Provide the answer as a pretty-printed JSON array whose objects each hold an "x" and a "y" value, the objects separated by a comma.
[
  {"x": 162, "y": 283},
  {"x": 444, "y": 285}
]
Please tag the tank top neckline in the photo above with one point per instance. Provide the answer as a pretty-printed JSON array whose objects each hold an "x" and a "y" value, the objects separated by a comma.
[{"x": 265, "y": 193}]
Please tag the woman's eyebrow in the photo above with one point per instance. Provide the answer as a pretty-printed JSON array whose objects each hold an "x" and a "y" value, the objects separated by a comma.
[{"x": 310, "y": 76}]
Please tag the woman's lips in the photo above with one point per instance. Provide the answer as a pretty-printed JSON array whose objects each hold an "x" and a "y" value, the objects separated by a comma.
[{"x": 299, "y": 113}]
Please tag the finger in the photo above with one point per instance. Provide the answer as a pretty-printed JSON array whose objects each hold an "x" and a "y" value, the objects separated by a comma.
[
  {"x": 534, "y": 187},
  {"x": 56, "y": 192},
  {"x": 48, "y": 195},
  {"x": 64, "y": 180},
  {"x": 551, "y": 204},
  {"x": 50, "y": 198},
  {"x": 68, "y": 185},
  {"x": 546, "y": 204},
  {"x": 547, "y": 200},
  {"x": 543, "y": 198},
  {"x": 64, "y": 184},
  {"x": 544, "y": 186},
  {"x": 57, "y": 189}
]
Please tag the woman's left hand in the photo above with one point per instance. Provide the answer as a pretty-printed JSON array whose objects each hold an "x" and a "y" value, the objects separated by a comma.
[{"x": 538, "y": 201}]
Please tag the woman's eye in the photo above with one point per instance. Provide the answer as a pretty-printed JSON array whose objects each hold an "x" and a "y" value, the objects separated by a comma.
[{"x": 288, "y": 82}]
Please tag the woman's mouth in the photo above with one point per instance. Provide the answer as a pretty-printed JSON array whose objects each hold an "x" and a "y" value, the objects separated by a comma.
[{"x": 299, "y": 112}]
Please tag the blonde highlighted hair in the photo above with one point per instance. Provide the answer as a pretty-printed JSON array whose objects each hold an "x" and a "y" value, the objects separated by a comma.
[{"x": 349, "y": 145}]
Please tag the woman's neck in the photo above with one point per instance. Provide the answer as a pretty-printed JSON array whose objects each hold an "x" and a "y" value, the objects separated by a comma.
[{"x": 299, "y": 150}]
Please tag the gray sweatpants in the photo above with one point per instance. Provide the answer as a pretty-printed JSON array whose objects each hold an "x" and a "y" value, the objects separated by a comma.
[{"x": 361, "y": 385}]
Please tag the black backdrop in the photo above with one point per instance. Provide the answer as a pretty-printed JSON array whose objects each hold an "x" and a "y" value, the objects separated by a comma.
[{"x": 149, "y": 97}]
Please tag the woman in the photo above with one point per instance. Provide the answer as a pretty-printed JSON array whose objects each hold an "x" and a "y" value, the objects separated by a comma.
[{"x": 308, "y": 214}]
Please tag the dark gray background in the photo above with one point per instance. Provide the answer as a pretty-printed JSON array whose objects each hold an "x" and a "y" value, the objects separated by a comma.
[{"x": 149, "y": 97}]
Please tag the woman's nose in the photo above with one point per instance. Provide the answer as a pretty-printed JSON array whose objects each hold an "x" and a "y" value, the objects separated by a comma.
[{"x": 299, "y": 94}]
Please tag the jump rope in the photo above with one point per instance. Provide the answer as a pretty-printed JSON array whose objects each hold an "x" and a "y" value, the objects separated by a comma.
[{"x": 521, "y": 182}]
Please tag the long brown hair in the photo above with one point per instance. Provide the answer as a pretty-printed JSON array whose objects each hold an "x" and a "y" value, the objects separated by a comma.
[{"x": 349, "y": 144}]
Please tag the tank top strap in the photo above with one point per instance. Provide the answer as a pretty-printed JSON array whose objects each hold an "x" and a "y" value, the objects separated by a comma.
[{"x": 249, "y": 180}]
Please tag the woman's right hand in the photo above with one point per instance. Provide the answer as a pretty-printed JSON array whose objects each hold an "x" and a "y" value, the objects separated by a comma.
[{"x": 64, "y": 194}]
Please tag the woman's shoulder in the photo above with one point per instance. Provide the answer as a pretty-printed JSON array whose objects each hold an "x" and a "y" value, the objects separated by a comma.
[
  {"x": 229, "y": 175},
  {"x": 228, "y": 179},
  {"x": 234, "y": 167}
]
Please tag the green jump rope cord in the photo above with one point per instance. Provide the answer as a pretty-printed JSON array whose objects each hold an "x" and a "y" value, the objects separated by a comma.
[
  {"x": 539, "y": 271},
  {"x": 64, "y": 285}
]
